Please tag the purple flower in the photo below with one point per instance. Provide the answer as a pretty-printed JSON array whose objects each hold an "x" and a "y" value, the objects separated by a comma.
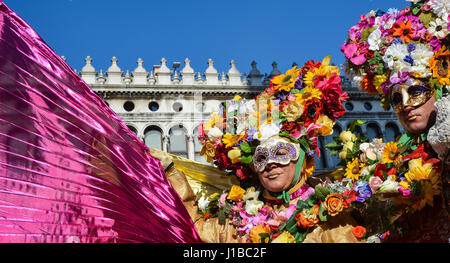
[
  {"x": 411, "y": 47},
  {"x": 409, "y": 59},
  {"x": 397, "y": 40},
  {"x": 299, "y": 83},
  {"x": 363, "y": 190},
  {"x": 401, "y": 77}
]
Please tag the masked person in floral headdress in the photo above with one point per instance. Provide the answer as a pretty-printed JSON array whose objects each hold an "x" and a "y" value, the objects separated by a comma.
[
  {"x": 269, "y": 143},
  {"x": 404, "y": 56}
]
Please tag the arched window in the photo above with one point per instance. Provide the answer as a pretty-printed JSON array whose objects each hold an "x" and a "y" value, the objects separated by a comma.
[
  {"x": 198, "y": 147},
  {"x": 178, "y": 144},
  {"x": 153, "y": 137},
  {"x": 392, "y": 132},
  {"x": 373, "y": 131}
]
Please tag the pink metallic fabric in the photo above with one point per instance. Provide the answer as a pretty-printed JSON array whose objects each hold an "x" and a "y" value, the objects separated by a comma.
[{"x": 70, "y": 169}]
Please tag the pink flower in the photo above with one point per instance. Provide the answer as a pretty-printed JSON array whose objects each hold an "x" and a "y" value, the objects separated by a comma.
[
  {"x": 375, "y": 183},
  {"x": 222, "y": 200},
  {"x": 355, "y": 52},
  {"x": 405, "y": 192}
]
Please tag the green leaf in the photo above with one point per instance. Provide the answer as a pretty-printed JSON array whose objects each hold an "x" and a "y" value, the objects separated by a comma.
[
  {"x": 245, "y": 147},
  {"x": 246, "y": 159},
  {"x": 355, "y": 123},
  {"x": 295, "y": 91},
  {"x": 322, "y": 216},
  {"x": 321, "y": 192},
  {"x": 301, "y": 205},
  {"x": 310, "y": 202},
  {"x": 333, "y": 145},
  {"x": 300, "y": 236}
]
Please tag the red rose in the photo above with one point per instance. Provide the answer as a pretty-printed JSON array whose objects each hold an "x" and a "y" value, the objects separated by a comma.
[{"x": 311, "y": 112}]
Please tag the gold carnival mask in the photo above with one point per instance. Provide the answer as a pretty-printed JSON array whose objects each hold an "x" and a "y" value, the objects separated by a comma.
[{"x": 414, "y": 94}]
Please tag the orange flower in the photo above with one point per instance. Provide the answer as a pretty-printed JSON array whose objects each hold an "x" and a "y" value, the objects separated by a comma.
[
  {"x": 257, "y": 231},
  {"x": 334, "y": 203},
  {"x": 359, "y": 231},
  {"x": 207, "y": 215},
  {"x": 404, "y": 31},
  {"x": 308, "y": 218},
  {"x": 367, "y": 85},
  {"x": 236, "y": 193}
]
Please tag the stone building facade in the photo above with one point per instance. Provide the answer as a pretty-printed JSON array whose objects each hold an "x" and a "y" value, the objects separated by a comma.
[{"x": 164, "y": 106}]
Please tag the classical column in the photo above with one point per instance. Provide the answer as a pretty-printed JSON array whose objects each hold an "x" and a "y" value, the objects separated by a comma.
[
  {"x": 191, "y": 147},
  {"x": 165, "y": 143}
]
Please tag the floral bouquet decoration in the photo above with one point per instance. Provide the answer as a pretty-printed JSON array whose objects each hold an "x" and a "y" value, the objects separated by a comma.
[{"x": 386, "y": 48}]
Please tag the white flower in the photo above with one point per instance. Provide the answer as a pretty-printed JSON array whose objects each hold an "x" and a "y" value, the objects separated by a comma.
[
  {"x": 214, "y": 133},
  {"x": 438, "y": 28},
  {"x": 266, "y": 131},
  {"x": 421, "y": 56},
  {"x": 375, "y": 40},
  {"x": 394, "y": 57},
  {"x": 252, "y": 206},
  {"x": 440, "y": 7},
  {"x": 203, "y": 203},
  {"x": 373, "y": 239},
  {"x": 393, "y": 12},
  {"x": 389, "y": 186}
]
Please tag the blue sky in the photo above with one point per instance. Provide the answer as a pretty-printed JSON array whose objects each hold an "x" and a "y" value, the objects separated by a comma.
[{"x": 264, "y": 31}]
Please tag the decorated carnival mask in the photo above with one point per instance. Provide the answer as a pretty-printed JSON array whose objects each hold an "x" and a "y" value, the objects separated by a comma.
[
  {"x": 275, "y": 150},
  {"x": 414, "y": 93}
]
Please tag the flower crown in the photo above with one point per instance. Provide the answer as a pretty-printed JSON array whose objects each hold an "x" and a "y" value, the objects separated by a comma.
[
  {"x": 299, "y": 105},
  {"x": 386, "y": 48}
]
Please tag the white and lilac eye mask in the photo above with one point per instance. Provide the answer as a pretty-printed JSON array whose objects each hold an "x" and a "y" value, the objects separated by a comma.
[{"x": 275, "y": 150}]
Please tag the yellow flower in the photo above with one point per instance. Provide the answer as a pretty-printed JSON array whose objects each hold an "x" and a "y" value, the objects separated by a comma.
[
  {"x": 215, "y": 119},
  {"x": 378, "y": 80},
  {"x": 284, "y": 237},
  {"x": 308, "y": 94},
  {"x": 439, "y": 65},
  {"x": 293, "y": 111},
  {"x": 347, "y": 146},
  {"x": 287, "y": 81},
  {"x": 256, "y": 231},
  {"x": 308, "y": 167},
  {"x": 213, "y": 195},
  {"x": 326, "y": 70},
  {"x": 209, "y": 150},
  {"x": 347, "y": 136},
  {"x": 326, "y": 125},
  {"x": 419, "y": 171},
  {"x": 236, "y": 193},
  {"x": 236, "y": 98},
  {"x": 391, "y": 153},
  {"x": 404, "y": 184},
  {"x": 353, "y": 169},
  {"x": 234, "y": 155},
  {"x": 230, "y": 140}
]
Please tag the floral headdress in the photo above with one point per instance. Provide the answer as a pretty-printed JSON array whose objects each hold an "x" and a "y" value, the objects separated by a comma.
[
  {"x": 299, "y": 105},
  {"x": 386, "y": 48}
]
